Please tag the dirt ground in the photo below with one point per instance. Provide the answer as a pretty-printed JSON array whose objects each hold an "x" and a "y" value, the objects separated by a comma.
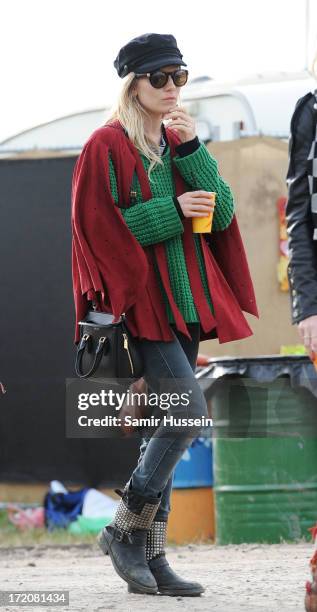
[{"x": 246, "y": 577}]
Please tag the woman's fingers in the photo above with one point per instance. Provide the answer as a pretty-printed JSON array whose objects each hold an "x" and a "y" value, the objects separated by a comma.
[
  {"x": 199, "y": 207},
  {"x": 198, "y": 201},
  {"x": 305, "y": 335},
  {"x": 204, "y": 209},
  {"x": 200, "y": 193},
  {"x": 308, "y": 332},
  {"x": 306, "y": 342},
  {"x": 177, "y": 113},
  {"x": 197, "y": 214}
]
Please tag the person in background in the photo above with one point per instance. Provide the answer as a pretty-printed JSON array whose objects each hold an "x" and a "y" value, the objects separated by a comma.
[
  {"x": 301, "y": 217},
  {"x": 301, "y": 220}
]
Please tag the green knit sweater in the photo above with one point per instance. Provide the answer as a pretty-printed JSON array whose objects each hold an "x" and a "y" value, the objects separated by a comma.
[{"x": 158, "y": 220}]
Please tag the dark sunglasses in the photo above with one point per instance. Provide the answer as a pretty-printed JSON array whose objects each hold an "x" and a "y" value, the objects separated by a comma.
[{"x": 158, "y": 78}]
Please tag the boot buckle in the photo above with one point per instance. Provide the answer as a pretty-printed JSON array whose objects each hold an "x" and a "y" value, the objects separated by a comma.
[
  {"x": 119, "y": 535},
  {"x": 123, "y": 536}
]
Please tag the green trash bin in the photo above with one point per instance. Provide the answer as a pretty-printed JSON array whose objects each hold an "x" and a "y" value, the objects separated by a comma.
[{"x": 264, "y": 413}]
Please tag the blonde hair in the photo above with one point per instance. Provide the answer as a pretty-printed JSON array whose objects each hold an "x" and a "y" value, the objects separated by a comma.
[{"x": 131, "y": 115}]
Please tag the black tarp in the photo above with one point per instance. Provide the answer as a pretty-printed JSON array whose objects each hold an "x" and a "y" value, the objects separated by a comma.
[
  {"x": 37, "y": 330},
  {"x": 250, "y": 395},
  {"x": 263, "y": 369}
]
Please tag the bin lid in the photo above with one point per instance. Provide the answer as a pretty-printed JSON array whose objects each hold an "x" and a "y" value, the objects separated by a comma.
[{"x": 262, "y": 368}]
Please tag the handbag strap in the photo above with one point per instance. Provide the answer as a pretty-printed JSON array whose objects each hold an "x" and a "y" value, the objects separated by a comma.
[{"x": 102, "y": 346}]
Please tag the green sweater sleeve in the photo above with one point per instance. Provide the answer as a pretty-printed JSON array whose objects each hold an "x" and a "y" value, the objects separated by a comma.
[
  {"x": 152, "y": 221},
  {"x": 200, "y": 171}
]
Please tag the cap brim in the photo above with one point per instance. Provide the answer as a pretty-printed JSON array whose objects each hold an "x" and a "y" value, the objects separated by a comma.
[{"x": 159, "y": 63}]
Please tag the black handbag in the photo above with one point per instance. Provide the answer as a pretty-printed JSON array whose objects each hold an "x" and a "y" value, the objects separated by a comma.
[{"x": 107, "y": 349}]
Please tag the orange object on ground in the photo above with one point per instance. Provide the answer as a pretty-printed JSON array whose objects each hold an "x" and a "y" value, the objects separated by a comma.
[
  {"x": 311, "y": 587},
  {"x": 202, "y": 359},
  {"x": 192, "y": 516}
]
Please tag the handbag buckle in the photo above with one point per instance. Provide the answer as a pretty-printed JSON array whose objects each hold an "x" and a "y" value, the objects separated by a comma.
[{"x": 85, "y": 336}]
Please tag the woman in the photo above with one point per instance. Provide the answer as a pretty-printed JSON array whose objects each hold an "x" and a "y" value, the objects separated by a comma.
[
  {"x": 136, "y": 187},
  {"x": 301, "y": 217}
]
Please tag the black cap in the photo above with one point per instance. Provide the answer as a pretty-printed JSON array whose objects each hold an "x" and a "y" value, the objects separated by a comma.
[{"x": 146, "y": 53}]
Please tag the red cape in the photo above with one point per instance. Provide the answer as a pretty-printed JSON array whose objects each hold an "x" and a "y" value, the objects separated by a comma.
[{"x": 110, "y": 266}]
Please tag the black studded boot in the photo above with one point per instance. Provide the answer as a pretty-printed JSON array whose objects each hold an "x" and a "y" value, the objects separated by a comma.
[
  {"x": 124, "y": 540},
  {"x": 168, "y": 582}
]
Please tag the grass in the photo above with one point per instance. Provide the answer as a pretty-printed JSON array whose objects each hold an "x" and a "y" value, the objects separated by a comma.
[{"x": 11, "y": 537}]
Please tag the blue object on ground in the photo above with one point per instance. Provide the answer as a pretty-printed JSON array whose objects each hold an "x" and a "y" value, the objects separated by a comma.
[
  {"x": 62, "y": 508},
  {"x": 194, "y": 469}
]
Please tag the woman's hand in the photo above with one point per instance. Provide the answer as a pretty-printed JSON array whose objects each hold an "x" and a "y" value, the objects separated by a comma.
[
  {"x": 307, "y": 330},
  {"x": 196, "y": 203},
  {"x": 181, "y": 122}
]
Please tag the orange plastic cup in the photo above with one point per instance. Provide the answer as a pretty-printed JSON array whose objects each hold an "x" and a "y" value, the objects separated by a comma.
[{"x": 202, "y": 225}]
